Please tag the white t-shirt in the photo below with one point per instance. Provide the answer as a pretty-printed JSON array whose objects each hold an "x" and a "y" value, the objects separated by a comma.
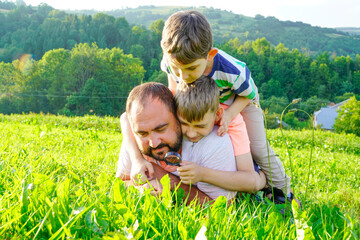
[{"x": 211, "y": 151}]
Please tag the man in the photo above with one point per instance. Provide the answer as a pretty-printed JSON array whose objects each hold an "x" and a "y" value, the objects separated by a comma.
[{"x": 151, "y": 112}]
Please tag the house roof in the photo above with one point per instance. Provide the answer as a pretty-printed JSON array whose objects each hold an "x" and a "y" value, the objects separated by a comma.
[{"x": 326, "y": 116}]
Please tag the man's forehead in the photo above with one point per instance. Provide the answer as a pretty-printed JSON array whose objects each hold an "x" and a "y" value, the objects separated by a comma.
[
  {"x": 149, "y": 114},
  {"x": 139, "y": 106}
]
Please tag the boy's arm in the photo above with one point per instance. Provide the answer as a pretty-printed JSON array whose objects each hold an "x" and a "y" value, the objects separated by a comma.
[
  {"x": 171, "y": 81},
  {"x": 213, "y": 152},
  {"x": 171, "y": 84},
  {"x": 245, "y": 179},
  {"x": 229, "y": 114},
  {"x": 139, "y": 164}
]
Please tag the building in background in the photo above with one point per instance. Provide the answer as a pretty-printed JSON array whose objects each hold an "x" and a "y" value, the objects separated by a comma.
[{"x": 325, "y": 117}]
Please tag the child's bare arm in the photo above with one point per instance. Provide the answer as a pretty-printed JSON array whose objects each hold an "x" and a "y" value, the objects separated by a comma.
[
  {"x": 235, "y": 108},
  {"x": 243, "y": 180},
  {"x": 171, "y": 84},
  {"x": 139, "y": 164}
]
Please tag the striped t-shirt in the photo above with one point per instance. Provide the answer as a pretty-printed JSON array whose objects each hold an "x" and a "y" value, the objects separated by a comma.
[{"x": 231, "y": 75}]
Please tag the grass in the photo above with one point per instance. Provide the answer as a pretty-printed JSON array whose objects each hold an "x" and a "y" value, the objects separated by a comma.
[{"x": 57, "y": 182}]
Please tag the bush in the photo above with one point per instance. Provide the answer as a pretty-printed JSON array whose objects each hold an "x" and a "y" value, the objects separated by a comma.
[{"x": 348, "y": 120}]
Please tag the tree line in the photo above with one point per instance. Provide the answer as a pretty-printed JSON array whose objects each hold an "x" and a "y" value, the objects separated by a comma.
[
  {"x": 36, "y": 30},
  {"x": 61, "y": 63},
  {"x": 84, "y": 80}
]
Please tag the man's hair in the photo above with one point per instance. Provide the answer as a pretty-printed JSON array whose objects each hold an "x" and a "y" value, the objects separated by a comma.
[
  {"x": 187, "y": 36},
  {"x": 150, "y": 90},
  {"x": 194, "y": 100}
]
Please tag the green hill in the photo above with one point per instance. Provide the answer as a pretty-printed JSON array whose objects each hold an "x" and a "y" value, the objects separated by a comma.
[
  {"x": 350, "y": 30},
  {"x": 227, "y": 25}
]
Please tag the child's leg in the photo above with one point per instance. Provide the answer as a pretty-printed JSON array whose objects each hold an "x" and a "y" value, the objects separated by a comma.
[{"x": 254, "y": 120}]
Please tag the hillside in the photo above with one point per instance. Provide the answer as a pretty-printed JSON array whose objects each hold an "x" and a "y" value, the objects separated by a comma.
[
  {"x": 227, "y": 25},
  {"x": 19, "y": 25},
  {"x": 350, "y": 30}
]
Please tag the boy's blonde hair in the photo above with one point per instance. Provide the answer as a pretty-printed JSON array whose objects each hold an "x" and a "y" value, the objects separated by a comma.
[
  {"x": 194, "y": 100},
  {"x": 187, "y": 36}
]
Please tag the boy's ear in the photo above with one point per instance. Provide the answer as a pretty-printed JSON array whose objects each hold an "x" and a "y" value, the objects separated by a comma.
[
  {"x": 211, "y": 54},
  {"x": 219, "y": 113}
]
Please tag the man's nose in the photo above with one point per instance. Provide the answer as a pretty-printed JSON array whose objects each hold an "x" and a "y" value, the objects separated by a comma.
[{"x": 154, "y": 140}]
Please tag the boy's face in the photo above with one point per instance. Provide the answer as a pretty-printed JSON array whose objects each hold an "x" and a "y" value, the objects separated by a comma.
[
  {"x": 187, "y": 72},
  {"x": 194, "y": 131}
]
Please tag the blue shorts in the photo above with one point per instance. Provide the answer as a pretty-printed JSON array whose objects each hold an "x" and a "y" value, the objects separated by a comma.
[{"x": 256, "y": 167}]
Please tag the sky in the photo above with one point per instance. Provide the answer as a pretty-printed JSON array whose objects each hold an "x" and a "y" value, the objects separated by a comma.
[{"x": 323, "y": 13}]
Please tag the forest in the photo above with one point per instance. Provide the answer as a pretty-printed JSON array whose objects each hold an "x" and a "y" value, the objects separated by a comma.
[{"x": 66, "y": 63}]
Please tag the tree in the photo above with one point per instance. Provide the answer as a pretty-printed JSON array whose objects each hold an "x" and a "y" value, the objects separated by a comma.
[
  {"x": 92, "y": 99},
  {"x": 54, "y": 69},
  {"x": 272, "y": 88},
  {"x": 11, "y": 81},
  {"x": 310, "y": 106},
  {"x": 348, "y": 120},
  {"x": 157, "y": 27},
  {"x": 356, "y": 82},
  {"x": 83, "y": 64},
  {"x": 274, "y": 104}
]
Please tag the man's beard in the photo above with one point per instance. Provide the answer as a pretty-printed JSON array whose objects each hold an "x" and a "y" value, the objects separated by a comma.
[{"x": 173, "y": 148}]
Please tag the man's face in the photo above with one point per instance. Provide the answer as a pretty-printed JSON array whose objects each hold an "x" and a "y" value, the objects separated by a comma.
[
  {"x": 155, "y": 128},
  {"x": 194, "y": 131},
  {"x": 187, "y": 72}
]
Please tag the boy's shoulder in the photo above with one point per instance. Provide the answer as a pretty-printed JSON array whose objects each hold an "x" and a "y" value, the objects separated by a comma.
[
  {"x": 225, "y": 57},
  {"x": 210, "y": 148},
  {"x": 210, "y": 142},
  {"x": 226, "y": 66},
  {"x": 214, "y": 140}
]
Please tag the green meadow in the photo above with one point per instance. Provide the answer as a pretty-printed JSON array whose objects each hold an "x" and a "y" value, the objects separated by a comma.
[{"x": 57, "y": 181}]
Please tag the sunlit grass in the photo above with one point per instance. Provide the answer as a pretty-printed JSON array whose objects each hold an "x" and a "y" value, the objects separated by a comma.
[{"x": 57, "y": 181}]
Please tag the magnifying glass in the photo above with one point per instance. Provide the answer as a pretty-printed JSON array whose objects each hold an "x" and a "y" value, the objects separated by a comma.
[{"x": 172, "y": 158}]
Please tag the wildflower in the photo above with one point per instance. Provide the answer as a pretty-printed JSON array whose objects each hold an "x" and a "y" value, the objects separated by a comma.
[{"x": 295, "y": 101}]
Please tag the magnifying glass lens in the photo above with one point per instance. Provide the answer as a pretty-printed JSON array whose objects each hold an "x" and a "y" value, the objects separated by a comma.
[{"x": 172, "y": 158}]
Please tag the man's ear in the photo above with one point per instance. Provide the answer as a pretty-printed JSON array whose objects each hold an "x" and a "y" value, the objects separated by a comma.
[
  {"x": 211, "y": 54},
  {"x": 219, "y": 113}
]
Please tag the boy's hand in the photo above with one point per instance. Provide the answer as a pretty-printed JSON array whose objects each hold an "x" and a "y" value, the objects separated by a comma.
[
  {"x": 190, "y": 172},
  {"x": 224, "y": 124},
  {"x": 142, "y": 169}
]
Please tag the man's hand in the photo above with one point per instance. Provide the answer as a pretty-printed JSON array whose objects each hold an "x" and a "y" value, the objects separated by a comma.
[
  {"x": 224, "y": 123},
  {"x": 154, "y": 185},
  {"x": 140, "y": 171},
  {"x": 190, "y": 172}
]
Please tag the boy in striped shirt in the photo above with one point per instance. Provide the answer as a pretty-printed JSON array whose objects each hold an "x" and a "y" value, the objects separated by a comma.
[{"x": 189, "y": 53}]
